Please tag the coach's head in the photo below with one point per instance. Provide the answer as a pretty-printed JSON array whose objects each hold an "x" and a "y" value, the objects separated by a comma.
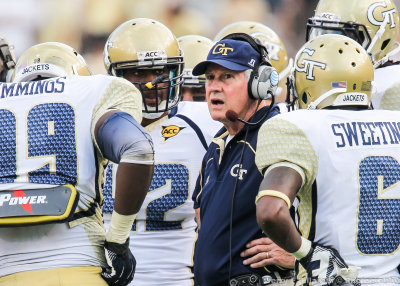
[{"x": 238, "y": 76}]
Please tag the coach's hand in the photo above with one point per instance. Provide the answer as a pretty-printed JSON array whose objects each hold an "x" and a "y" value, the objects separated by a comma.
[
  {"x": 325, "y": 266},
  {"x": 121, "y": 264},
  {"x": 263, "y": 251}
]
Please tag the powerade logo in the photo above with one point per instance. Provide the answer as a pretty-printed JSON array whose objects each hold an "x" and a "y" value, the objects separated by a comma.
[{"x": 18, "y": 197}]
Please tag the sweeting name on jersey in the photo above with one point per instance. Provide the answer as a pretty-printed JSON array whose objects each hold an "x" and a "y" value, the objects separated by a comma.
[
  {"x": 360, "y": 134},
  {"x": 32, "y": 88}
]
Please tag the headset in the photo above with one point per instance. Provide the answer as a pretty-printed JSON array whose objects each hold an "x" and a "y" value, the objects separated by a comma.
[{"x": 264, "y": 78}]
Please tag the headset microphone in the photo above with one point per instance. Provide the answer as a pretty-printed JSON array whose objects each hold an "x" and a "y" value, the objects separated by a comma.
[{"x": 233, "y": 116}]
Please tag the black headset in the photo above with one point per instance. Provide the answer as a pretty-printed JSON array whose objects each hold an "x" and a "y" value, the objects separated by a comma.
[{"x": 264, "y": 78}]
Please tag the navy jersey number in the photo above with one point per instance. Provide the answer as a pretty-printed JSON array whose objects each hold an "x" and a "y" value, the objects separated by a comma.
[
  {"x": 176, "y": 176},
  {"x": 108, "y": 199},
  {"x": 8, "y": 147},
  {"x": 50, "y": 132},
  {"x": 378, "y": 227}
]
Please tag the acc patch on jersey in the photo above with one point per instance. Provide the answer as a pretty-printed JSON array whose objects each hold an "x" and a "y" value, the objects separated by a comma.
[{"x": 170, "y": 131}]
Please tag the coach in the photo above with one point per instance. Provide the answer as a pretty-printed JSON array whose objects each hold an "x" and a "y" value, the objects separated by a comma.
[{"x": 239, "y": 78}]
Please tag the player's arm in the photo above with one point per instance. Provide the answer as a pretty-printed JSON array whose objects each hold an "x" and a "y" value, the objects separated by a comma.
[
  {"x": 274, "y": 219},
  {"x": 277, "y": 193},
  {"x": 273, "y": 214},
  {"x": 122, "y": 140}
]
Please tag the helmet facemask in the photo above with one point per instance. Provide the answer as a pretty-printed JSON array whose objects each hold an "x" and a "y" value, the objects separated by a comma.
[
  {"x": 163, "y": 91},
  {"x": 358, "y": 32}
]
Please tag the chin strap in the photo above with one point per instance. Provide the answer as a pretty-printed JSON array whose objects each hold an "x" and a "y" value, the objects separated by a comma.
[
  {"x": 315, "y": 103},
  {"x": 386, "y": 58},
  {"x": 378, "y": 35}
]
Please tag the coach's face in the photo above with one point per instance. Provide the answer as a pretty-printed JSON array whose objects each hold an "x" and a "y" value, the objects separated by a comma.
[{"x": 226, "y": 90}]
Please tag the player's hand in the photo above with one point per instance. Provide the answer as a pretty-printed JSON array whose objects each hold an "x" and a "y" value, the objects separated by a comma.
[
  {"x": 263, "y": 252},
  {"x": 121, "y": 264},
  {"x": 325, "y": 266}
]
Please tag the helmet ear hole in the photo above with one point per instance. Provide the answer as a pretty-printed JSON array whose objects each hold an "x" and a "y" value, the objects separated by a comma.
[
  {"x": 304, "y": 98},
  {"x": 385, "y": 43}
]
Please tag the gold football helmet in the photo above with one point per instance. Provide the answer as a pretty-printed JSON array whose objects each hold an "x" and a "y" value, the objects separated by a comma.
[
  {"x": 374, "y": 24},
  {"x": 50, "y": 59},
  {"x": 332, "y": 70},
  {"x": 144, "y": 43},
  {"x": 195, "y": 49},
  {"x": 275, "y": 47}
]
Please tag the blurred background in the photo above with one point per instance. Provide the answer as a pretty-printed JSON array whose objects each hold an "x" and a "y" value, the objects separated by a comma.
[{"x": 86, "y": 24}]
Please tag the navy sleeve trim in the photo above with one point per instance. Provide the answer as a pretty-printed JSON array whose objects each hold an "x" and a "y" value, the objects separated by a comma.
[{"x": 195, "y": 128}]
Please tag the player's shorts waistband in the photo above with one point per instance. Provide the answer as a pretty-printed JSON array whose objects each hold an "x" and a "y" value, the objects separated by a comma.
[{"x": 82, "y": 275}]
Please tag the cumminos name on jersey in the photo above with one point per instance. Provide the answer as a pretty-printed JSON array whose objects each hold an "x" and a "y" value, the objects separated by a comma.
[{"x": 56, "y": 85}]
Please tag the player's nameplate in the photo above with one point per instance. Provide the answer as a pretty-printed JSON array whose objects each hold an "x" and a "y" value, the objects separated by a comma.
[{"x": 37, "y": 206}]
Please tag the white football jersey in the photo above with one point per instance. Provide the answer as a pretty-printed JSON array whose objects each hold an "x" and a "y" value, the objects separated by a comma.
[
  {"x": 350, "y": 197},
  {"x": 47, "y": 139},
  {"x": 162, "y": 238},
  {"x": 387, "y": 91}
]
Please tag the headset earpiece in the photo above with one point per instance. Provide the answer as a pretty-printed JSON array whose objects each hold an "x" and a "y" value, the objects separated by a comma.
[{"x": 264, "y": 79}]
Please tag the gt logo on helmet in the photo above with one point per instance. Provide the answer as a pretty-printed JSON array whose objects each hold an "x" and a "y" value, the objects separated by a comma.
[
  {"x": 387, "y": 16},
  {"x": 308, "y": 65}
]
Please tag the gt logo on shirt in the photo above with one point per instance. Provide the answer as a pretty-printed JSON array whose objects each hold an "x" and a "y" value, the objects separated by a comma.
[
  {"x": 170, "y": 131},
  {"x": 235, "y": 171}
]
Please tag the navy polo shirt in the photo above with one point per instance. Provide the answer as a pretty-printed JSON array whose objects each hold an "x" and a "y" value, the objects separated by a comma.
[{"x": 213, "y": 194}]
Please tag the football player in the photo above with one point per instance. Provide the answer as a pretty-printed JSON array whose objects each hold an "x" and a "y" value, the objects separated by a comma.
[
  {"x": 58, "y": 131},
  {"x": 195, "y": 49},
  {"x": 274, "y": 45},
  {"x": 145, "y": 52},
  {"x": 7, "y": 60},
  {"x": 374, "y": 24},
  {"x": 342, "y": 161}
]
